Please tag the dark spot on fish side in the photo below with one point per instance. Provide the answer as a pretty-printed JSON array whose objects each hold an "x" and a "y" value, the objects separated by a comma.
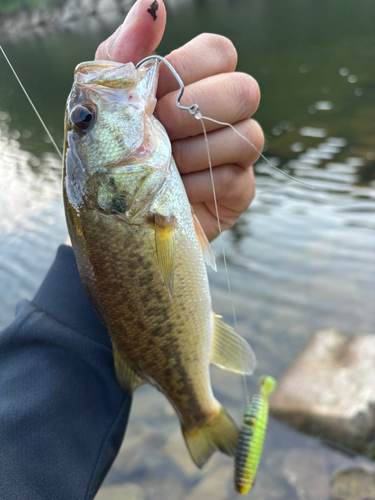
[
  {"x": 144, "y": 280},
  {"x": 145, "y": 299},
  {"x": 153, "y": 8},
  {"x": 139, "y": 259},
  {"x": 140, "y": 326},
  {"x": 117, "y": 204},
  {"x": 157, "y": 332}
]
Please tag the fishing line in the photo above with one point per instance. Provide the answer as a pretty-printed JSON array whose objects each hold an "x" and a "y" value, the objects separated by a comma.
[
  {"x": 32, "y": 104},
  {"x": 199, "y": 117},
  {"x": 194, "y": 110}
]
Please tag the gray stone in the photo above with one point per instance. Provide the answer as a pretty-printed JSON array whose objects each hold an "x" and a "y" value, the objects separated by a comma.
[
  {"x": 307, "y": 472},
  {"x": 71, "y": 11},
  {"x": 177, "y": 452},
  {"x": 268, "y": 487},
  {"x": 128, "y": 491},
  {"x": 329, "y": 390},
  {"x": 215, "y": 486},
  {"x": 88, "y": 7},
  {"x": 107, "y": 6},
  {"x": 354, "y": 483},
  {"x": 132, "y": 452}
]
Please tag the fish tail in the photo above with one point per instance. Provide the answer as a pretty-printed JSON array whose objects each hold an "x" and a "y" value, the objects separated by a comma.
[{"x": 220, "y": 433}]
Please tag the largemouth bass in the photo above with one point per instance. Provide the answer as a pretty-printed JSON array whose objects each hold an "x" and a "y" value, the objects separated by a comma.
[{"x": 141, "y": 251}]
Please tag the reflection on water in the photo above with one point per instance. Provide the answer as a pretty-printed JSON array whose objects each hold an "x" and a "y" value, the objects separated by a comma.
[{"x": 300, "y": 258}]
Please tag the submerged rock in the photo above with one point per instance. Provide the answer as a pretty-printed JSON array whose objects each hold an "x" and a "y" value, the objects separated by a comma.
[
  {"x": 216, "y": 486},
  {"x": 127, "y": 491},
  {"x": 307, "y": 473},
  {"x": 355, "y": 483},
  {"x": 329, "y": 390}
]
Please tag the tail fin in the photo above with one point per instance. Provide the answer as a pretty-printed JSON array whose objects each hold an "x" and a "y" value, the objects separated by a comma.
[{"x": 220, "y": 433}]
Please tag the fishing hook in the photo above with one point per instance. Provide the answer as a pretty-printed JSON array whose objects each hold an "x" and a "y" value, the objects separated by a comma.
[{"x": 194, "y": 110}]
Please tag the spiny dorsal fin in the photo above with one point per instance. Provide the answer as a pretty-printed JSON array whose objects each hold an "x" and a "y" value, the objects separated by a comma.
[
  {"x": 165, "y": 248},
  {"x": 230, "y": 351},
  {"x": 128, "y": 380},
  {"x": 207, "y": 253}
]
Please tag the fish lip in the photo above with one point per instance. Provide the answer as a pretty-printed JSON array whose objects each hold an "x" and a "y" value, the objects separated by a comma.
[
  {"x": 88, "y": 67},
  {"x": 107, "y": 74}
]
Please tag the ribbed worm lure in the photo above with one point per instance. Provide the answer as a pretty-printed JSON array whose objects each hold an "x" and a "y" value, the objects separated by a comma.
[{"x": 252, "y": 434}]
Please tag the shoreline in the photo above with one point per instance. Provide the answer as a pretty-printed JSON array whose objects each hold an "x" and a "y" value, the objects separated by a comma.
[{"x": 25, "y": 24}]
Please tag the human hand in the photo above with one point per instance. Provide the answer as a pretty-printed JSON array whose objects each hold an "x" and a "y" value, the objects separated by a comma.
[{"x": 206, "y": 65}]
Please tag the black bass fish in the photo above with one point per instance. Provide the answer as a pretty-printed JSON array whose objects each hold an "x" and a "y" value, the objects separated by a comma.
[{"x": 141, "y": 251}]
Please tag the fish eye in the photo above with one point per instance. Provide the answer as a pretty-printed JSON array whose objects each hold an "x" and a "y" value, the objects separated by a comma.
[{"x": 82, "y": 116}]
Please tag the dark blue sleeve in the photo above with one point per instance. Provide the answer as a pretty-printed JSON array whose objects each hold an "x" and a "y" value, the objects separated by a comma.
[{"x": 62, "y": 411}]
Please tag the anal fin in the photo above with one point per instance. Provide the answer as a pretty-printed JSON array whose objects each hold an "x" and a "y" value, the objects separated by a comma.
[
  {"x": 128, "y": 380},
  {"x": 230, "y": 351}
]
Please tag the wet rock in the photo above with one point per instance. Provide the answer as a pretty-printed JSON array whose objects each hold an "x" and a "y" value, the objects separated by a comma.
[
  {"x": 128, "y": 491},
  {"x": 177, "y": 452},
  {"x": 88, "y": 7},
  {"x": 126, "y": 4},
  {"x": 307, "y": 472},
  {"x": 354, "y": 483},
  {"x": 106, "y": 6},
  {"x": 269, "y": 487},
  {"x": 140, "y": 438},
  {"x": 216, "y": 486},
  {"x": 71, "y": 11},
  {"x": 329, "y": 390}
]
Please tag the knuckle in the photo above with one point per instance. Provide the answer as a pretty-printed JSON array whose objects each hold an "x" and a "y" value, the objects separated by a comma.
[
  {"x": 229, "y": 181},
  {"x": 228, "y": 223},
  {"x": 238, "y": 185},
  {"x": 246, "y": 190},
  {"x": 221, "y": 46},
  {"x": 246, "y": 153},
  {"x": 181, "y": 62},
  {"x": 251, "y": 187},
  {"x": 257, "y": 134},
  {"x": 181, "y": 151},
  {"x": 247, "y": 92},
  {"x": 99, "y": 52}
]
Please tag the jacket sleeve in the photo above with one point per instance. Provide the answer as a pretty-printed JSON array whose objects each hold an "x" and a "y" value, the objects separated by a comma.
[{"x": 62, "y": 412}]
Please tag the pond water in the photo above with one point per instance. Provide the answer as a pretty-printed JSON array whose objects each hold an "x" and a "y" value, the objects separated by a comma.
[{"x": 299, "y": 259}]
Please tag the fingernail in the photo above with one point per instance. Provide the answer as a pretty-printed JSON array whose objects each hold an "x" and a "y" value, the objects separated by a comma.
[{"x": 132, "y": 13}]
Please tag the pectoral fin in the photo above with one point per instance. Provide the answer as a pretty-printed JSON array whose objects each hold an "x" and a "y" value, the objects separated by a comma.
[
  {"x": 129, "y": 381},
  {"x": 208, "y": 255},
  {"x": 165, "y": 248},
  {"x": 230, "y": 351}
]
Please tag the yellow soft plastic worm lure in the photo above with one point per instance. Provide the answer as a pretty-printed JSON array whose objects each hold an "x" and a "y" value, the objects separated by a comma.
[{"x": 252, "y": 434}]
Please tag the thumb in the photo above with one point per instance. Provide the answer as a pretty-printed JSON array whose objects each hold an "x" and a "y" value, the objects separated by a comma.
[{"x": 138, "y": 36}]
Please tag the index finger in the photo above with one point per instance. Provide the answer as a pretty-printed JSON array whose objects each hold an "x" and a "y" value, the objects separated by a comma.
[{"x": 206, "y": 55}]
